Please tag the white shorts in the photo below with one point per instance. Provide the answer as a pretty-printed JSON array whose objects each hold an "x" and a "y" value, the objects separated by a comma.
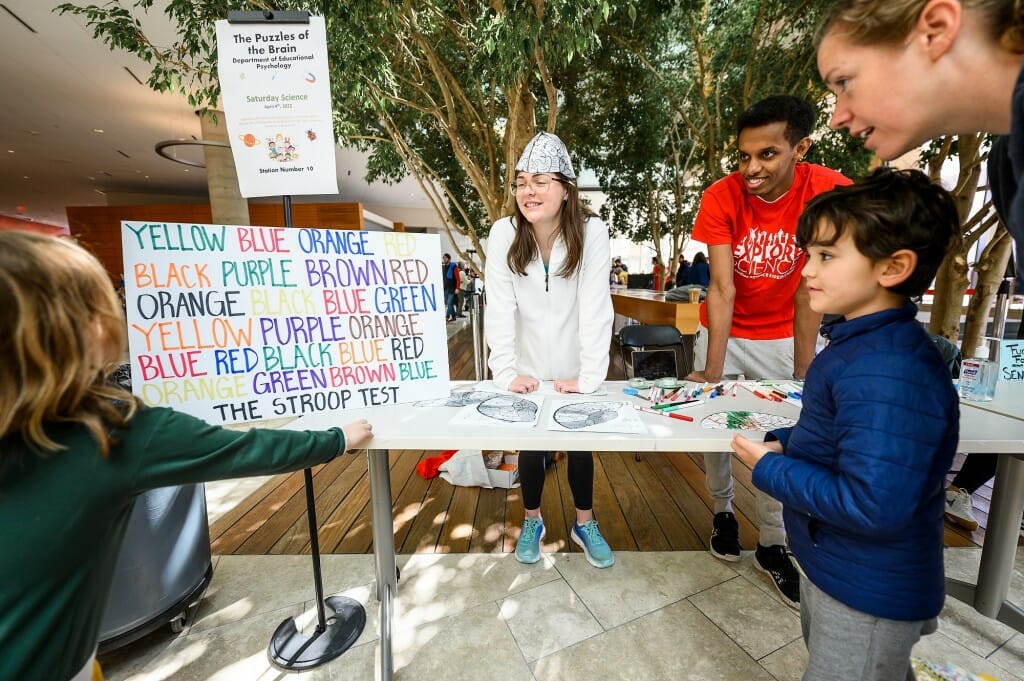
[{"x": 755, "y": 359}]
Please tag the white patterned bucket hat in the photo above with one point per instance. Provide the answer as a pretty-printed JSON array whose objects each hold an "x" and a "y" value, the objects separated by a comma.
[{"x": 545, "y": 153}]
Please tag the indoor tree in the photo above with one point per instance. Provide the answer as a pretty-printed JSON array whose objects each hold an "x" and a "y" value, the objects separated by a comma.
[{"x": 447, "y": 91}]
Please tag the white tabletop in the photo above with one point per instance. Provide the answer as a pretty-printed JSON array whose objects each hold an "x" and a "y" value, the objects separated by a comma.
[
  {"x": 1009, "y": 400},
  {"x": 407, "y": 427}
]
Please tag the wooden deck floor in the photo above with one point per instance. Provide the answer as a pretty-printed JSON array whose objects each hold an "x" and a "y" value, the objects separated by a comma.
[{"x": 656, "y": 504}]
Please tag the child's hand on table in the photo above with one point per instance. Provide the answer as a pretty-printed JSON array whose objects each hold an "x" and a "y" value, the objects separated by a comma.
[
  {"x": 750, "y": 452},
  {"x": 356, "y": 433}
]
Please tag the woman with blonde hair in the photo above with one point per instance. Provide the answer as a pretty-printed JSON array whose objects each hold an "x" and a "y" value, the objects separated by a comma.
[
  {"x": 76, "y": 449},
  {"x": 907, "y": 71}
]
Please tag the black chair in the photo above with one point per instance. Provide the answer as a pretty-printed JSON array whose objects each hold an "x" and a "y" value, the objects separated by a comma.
[{"x": 652, "y": 351}]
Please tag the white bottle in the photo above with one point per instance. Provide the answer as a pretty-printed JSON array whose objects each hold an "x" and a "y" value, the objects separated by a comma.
[{"x": 978, "y": 376}]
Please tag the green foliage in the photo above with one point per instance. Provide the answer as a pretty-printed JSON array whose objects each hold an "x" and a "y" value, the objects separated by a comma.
[
  {"x": 656, "y": 108},
  {"x": 445, "y": 90},
  {"x": 644, "y": 92}
]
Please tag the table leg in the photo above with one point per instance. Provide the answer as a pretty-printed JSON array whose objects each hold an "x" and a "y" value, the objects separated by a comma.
[
  {"x": 999, "y": 550},
  {"x": 383, "y": 551}
]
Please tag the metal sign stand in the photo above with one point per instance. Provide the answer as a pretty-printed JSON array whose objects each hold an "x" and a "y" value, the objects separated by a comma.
[{"x": 290, "y": 649}]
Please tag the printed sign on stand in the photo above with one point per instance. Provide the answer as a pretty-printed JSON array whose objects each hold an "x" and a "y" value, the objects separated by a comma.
[
  {"x": 277, "y": 102},
  {"x": 232, "y": 323}
]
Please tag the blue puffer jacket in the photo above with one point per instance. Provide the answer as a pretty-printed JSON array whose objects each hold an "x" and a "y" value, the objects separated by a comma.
[{"x": 862, "y": 477}]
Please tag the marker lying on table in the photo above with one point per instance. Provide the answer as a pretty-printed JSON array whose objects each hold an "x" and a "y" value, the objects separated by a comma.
[
  {"x": 683, "y": 405},
  {"x": 674, "y": 397},
  {"x": 670, "y": 414},
  {"x": 666, "y": 405}
]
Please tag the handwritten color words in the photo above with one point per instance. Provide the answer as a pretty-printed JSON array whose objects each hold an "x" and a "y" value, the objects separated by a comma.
[{"x": 248, "y": 322}]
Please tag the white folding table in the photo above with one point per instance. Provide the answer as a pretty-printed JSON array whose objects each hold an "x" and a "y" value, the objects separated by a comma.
[
  {"x": 999, "y": 550},
  {"x": 409, "y": 427}
]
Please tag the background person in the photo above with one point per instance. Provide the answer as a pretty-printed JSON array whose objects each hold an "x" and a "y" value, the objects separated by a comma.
[
  {"x": 861, "y": 473},
  {"x": 465, "y": 285},
  {"x": 76, "y": 449},
  {"x": 549, "y": 318},
  {"x": 699, "y": 273},
  {"x": 755, "y": 319},
  {"x": 657, "y": 274},
  {"x": 682, "y": 272},
  {"x": 450, "y": 274}
]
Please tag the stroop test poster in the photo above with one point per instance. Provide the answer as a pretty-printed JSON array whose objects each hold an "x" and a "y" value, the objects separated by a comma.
[{"x": 232, "y": 323}]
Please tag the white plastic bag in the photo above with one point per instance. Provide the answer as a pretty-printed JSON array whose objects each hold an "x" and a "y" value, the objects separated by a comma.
[{"x": 466, "y": 468}]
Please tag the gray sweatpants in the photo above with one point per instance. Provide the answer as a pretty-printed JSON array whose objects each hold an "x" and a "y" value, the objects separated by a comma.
[
  {"x": 755, "y": 359},
  {"x": 844, "y": 644}
]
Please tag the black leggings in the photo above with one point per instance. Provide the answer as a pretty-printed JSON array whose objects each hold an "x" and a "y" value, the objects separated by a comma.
[
  {"x": 976, "y": 471},
  {"x": 581, "y": 478}
]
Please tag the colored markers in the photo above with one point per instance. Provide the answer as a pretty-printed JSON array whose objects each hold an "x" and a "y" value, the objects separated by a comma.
[
  {"x": 670, "y": 414},
  {"x": 684, "y": 405}
]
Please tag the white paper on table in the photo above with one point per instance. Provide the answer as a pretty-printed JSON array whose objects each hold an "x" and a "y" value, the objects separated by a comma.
[
  {"x": 505, "y": 410},
  {"x": 460, "y": 398},
  {"x": 596, "y": 417},
  {"x": 546, "y": 389}
]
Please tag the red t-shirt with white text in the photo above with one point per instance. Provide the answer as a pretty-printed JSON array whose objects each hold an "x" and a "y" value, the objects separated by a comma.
[{"x": 766, "y": 260}]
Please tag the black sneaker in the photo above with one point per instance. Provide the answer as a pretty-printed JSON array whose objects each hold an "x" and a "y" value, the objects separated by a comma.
[
  {"x": 725, "y": 537},
  {"x": 775, "y": 561}
]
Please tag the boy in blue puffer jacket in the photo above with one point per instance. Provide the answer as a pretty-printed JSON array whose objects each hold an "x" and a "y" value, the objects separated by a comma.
[{"x": 861, "y": 475}]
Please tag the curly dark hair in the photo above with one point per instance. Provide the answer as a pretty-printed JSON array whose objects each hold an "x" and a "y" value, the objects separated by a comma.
[{"x": 795, "y": 112}]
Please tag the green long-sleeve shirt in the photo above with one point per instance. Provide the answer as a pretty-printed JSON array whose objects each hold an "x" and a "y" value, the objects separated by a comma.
[{"x": 62, "y": 519}]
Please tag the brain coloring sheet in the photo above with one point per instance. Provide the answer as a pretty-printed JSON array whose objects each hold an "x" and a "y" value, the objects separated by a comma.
[
  {"x": 746, "y": 420},
  {"x": 518, "y": 411},
  {"x": 596, "y": 417}
]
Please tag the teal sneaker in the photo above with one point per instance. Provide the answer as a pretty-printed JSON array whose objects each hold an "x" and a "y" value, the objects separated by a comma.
[
  {"x": 528, "y": 546},
  {"x": 596, "y": 549}
]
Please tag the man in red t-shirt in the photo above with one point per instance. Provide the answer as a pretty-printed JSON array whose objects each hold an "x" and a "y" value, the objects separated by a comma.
[{"x": 756, "y": 320}]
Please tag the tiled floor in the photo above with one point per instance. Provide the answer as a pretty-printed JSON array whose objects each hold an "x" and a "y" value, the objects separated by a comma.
[{"x": 674, "y": 615}]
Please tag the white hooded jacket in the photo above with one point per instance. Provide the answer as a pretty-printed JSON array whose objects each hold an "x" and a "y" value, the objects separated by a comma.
[{"x": 548, "y": 326}]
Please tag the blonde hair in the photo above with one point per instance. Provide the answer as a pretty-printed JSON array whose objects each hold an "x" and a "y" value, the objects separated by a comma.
[
  {"x": 64, "y": 334},
  {"x": 885, "y": 22}
]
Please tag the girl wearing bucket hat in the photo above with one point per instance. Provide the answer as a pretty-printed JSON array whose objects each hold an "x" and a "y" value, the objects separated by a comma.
[{"x": 549, "y": 318}]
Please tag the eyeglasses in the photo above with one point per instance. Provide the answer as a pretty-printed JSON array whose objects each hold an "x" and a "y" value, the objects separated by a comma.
[{"x": 539, "y": 185}]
